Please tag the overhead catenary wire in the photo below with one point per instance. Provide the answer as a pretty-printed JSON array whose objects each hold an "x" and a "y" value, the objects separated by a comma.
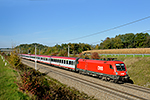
[{"x": 104, "y": 30}]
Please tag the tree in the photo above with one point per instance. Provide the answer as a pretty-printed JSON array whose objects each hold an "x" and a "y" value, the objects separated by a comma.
[
  {"x": 117, "y": 43},
  {"x": 140, "y": 38},
  {"x": 147, "y": 42},
  {"x": 127, "y": 40},
  {"x": 107, "y": 43},
  {"x": 97, "y": 47}
]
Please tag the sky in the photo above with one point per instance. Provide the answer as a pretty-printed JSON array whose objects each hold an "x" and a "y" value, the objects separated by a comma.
[{"x": 51, "y": 22}]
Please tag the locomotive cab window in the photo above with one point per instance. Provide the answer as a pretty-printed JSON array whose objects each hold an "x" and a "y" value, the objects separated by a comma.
[
  {"x": 111, "y": 67},
  {"x": 120, "y": 67}
]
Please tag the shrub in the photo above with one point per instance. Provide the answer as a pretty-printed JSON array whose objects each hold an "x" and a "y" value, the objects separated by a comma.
[
  {"x": 95, "y": 55},
  {"x": 33, "y": 82},
  {"x": 15, "y": 60}
]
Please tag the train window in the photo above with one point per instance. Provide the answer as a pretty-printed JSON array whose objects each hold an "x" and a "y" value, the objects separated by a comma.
[
  {"x": 120, "y": 67},
  {"x": 69, "y": 62},
  {"x": 64, "y": 61},
  {"x": 111, "y": 67}
]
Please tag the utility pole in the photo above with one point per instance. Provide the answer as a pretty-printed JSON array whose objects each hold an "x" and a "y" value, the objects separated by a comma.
[
  {"x": 68, "y": 50},
  {"x": 35, "y": 59}
]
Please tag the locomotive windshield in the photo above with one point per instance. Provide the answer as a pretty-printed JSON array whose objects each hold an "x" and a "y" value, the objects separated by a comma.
[{"x": 120, "y": 67}]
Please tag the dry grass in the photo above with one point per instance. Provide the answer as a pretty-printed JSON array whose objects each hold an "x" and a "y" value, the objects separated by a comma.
[
  {"x": 121, "y": 51},
  {"x": 139, "y": 70}
]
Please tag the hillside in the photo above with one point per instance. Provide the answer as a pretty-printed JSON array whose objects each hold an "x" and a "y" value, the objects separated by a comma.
[{"x": 138, "y": 69}]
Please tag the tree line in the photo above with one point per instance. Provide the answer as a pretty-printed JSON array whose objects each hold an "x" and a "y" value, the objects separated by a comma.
[
  {"x": 129, "y": 40},
  {"x": 59, "y": 50}
]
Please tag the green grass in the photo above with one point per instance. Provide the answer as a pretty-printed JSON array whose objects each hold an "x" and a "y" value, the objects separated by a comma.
[{"x": 8, "y": 89}]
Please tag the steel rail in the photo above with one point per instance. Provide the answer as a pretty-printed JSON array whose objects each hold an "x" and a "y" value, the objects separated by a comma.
[{"x": 139, "y": 88}]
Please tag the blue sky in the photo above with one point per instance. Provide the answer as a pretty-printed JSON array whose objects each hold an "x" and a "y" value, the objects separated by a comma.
[{"x": 51, "y": 22}]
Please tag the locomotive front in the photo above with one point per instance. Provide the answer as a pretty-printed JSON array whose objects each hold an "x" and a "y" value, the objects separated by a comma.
[{"x": 121, "y": 71}]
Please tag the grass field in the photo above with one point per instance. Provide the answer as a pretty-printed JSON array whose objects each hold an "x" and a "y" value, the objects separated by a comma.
[
  {"x": 127, "y": 55},
  {"x": 8, "y": 89},
  {"x": 121, "y": 51},
  {"x": 138, "y": 69}
]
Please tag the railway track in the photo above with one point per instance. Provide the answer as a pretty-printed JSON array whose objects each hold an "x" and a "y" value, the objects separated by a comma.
[
  {"x": 98, "y": 85},
  {"x": 136, "y": 87}
]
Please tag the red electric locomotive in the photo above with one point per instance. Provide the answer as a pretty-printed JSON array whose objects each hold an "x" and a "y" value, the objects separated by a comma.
[{"x": 109, "y": 69}]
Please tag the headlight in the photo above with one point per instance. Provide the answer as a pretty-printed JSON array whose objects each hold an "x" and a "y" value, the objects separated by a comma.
[{"x": 116, "y": 73}]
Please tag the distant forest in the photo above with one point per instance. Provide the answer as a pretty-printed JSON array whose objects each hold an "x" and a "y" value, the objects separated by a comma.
[{"x": 129, "y": 40}]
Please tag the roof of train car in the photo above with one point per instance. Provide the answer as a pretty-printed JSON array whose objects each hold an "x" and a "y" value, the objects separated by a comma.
[
  {"x": 37, "y": 55},
  {"x": 100, "y": 61},
  {"x": 43, "y": 56},
  {"x": 57, "y": 57},
  {"x": 60, "y": 57}
]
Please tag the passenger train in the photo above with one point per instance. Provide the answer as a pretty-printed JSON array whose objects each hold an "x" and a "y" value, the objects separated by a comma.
[{"x": 109, "y": 69}]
